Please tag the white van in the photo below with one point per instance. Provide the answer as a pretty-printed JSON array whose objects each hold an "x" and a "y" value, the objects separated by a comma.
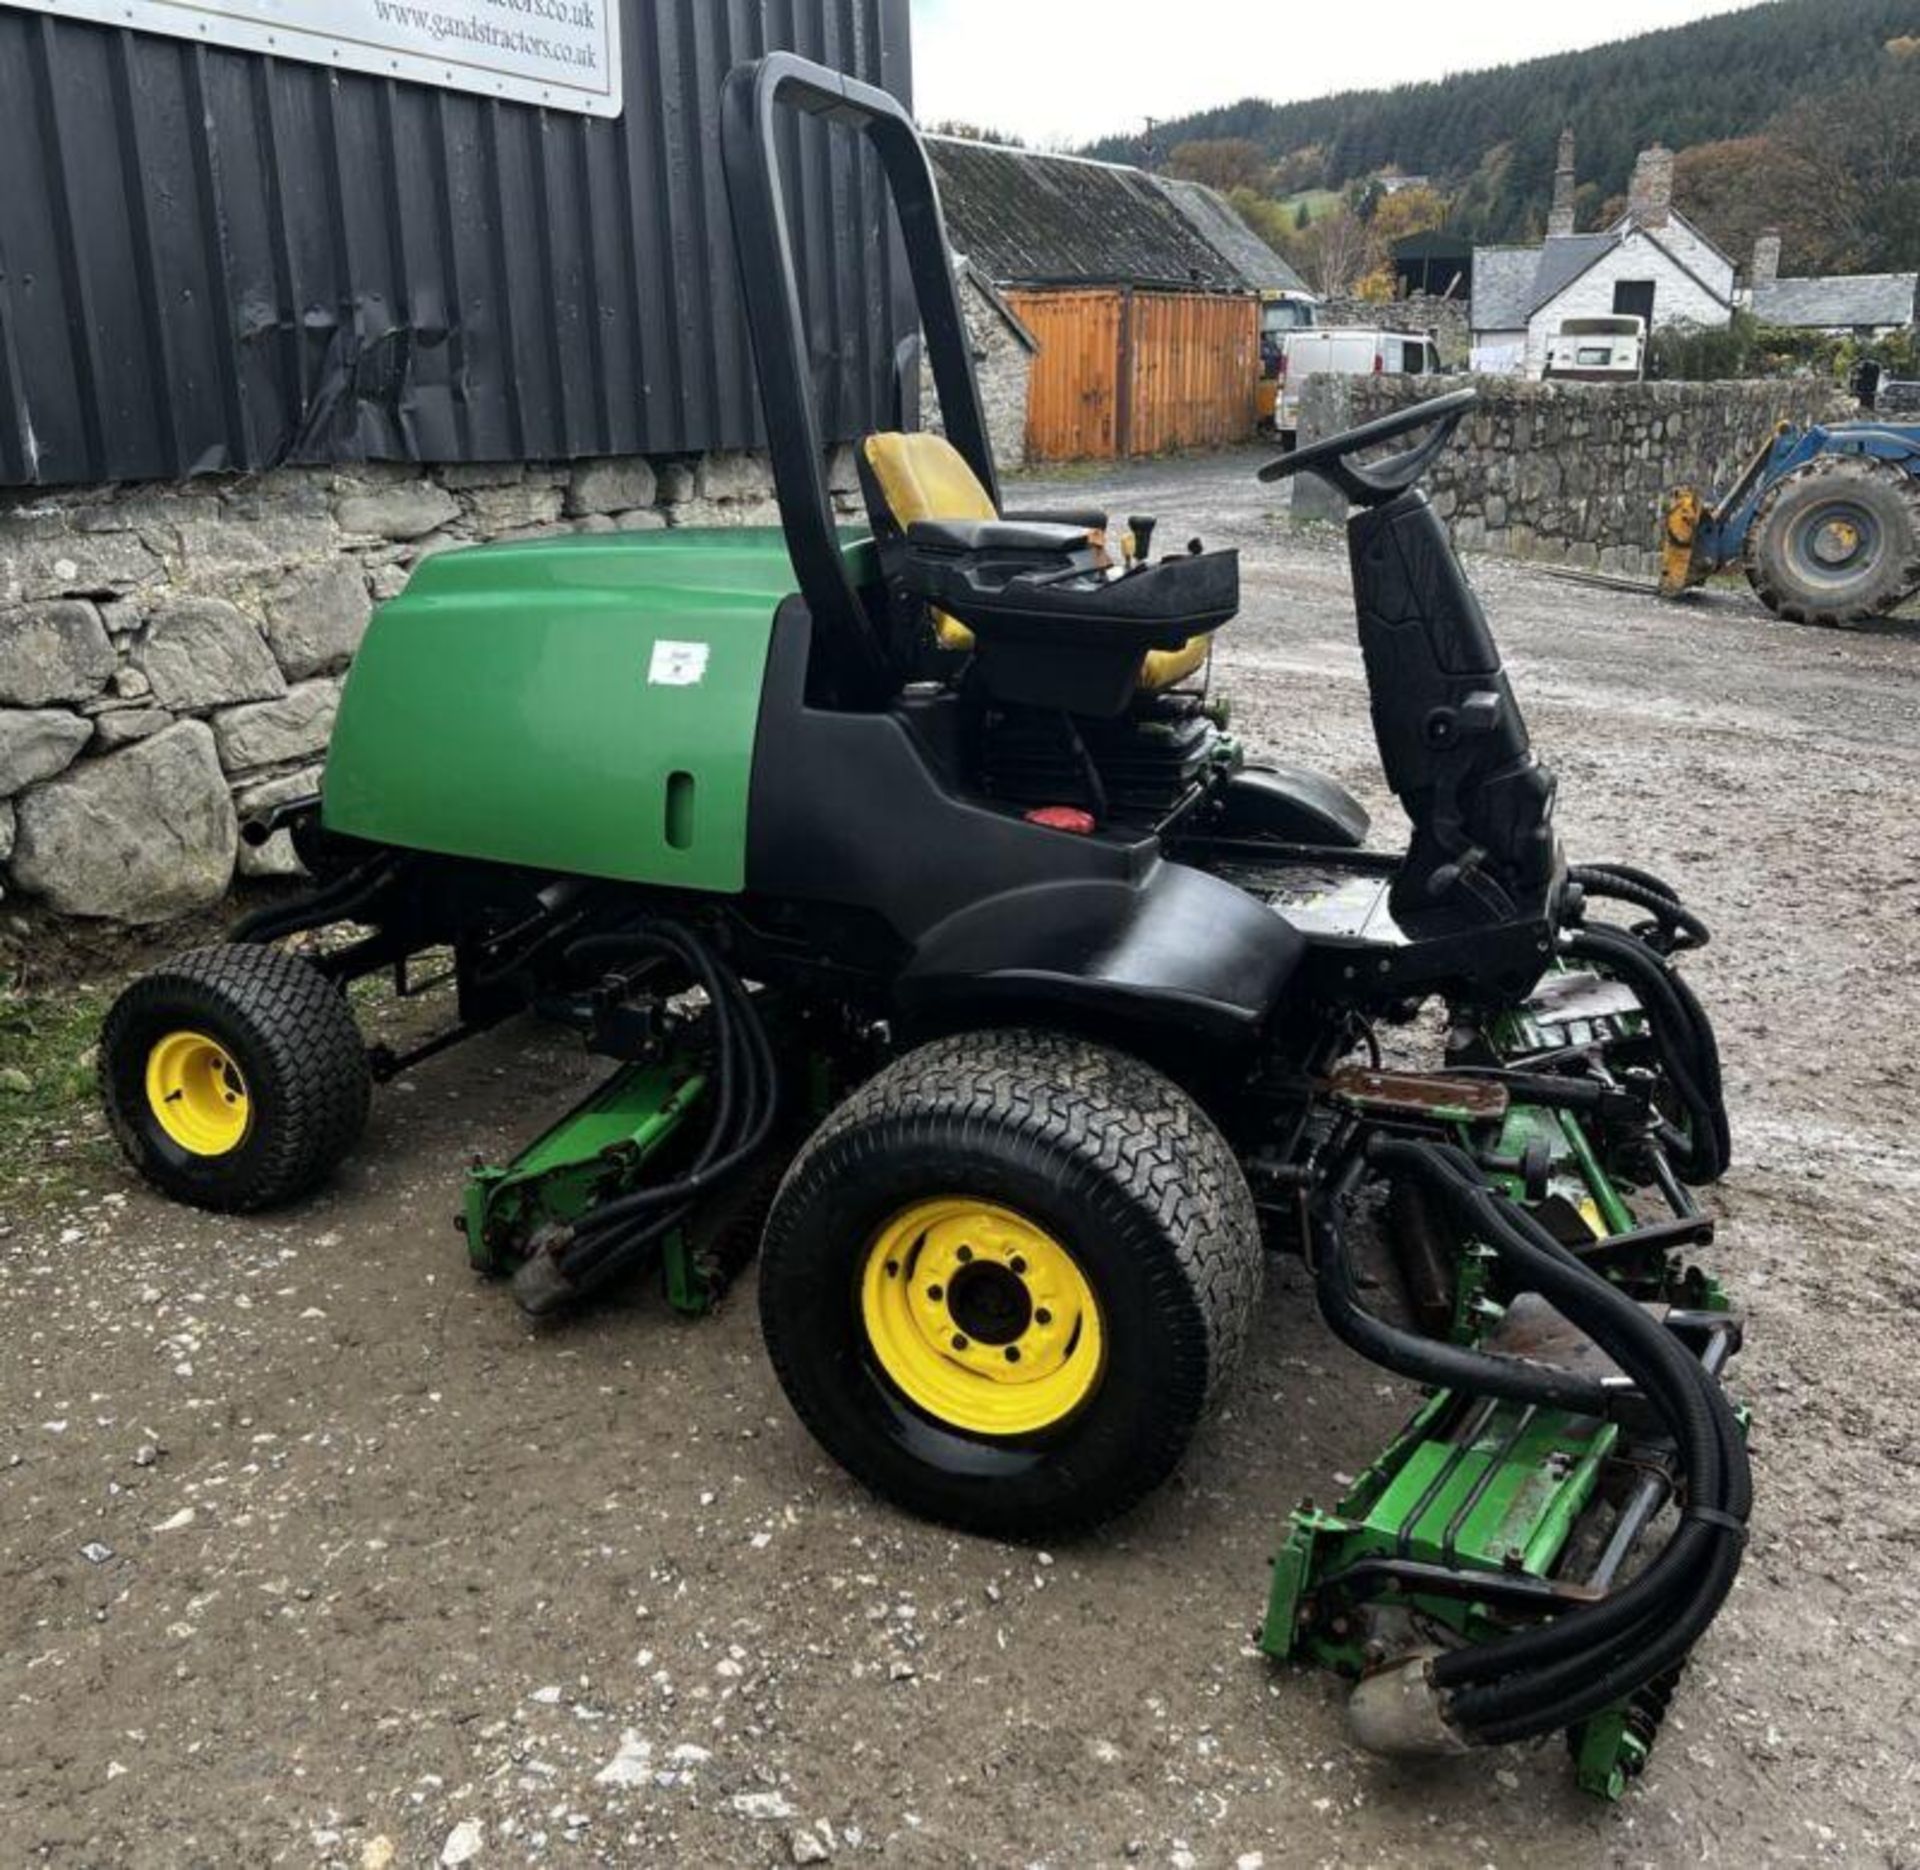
[
  {"x": 1347, "y": 352},
  {"x": 1598, "y": 350}
]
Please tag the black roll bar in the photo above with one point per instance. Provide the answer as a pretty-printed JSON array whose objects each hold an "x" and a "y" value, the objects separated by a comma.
[{"x": 763, "y": 243}]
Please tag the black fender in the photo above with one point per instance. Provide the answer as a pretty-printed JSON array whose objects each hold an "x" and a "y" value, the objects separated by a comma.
[
  {"x": 1177, "y": 948},
  {"x": 1293, "y": 805}
]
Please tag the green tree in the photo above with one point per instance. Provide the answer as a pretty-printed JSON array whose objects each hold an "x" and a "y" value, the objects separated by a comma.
[
  {"x": 1732, "y": 76},
  {"x": 1225, "y": 163},
  {"x": 1747, "y": 186}
]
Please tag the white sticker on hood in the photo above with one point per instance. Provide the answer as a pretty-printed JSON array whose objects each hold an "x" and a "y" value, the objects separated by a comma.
[{"x": 680, "y": 665}]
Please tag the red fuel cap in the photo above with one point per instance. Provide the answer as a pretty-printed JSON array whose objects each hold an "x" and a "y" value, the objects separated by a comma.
[{"x": 1065, "y": 818}]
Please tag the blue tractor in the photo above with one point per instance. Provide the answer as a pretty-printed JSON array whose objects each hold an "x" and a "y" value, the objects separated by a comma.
[{"x": 1825, "y": 522}]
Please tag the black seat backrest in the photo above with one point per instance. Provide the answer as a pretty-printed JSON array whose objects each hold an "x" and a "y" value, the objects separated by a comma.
[{"x": 1453, "y": 741}]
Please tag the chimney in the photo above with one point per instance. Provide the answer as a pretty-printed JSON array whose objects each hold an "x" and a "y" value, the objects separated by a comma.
[
  {"x": 1766, "y": 258},
  {"x": 1650, "y": 194},
  {"x": 1564, "y": 218}
]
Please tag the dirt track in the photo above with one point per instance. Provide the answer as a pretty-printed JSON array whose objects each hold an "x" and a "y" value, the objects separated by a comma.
[{"x": 385, "y": 1564}]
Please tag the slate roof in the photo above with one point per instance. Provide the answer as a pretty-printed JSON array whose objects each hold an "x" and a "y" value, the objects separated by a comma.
[
  {"x": 1511, "y": 284},
  {"x": 1562, "y": 261},
  {"x": 1026, "y": 219},
  {"x": 1503, "y": 287},
  {"x": 1218, "y": 223},
  {"x": 1849, "y": 299}
]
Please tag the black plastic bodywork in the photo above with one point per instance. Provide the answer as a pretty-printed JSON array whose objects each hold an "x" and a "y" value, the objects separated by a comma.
[
  {"x": 971, "y": 899},
  {"x": 1453, "y": 742}
]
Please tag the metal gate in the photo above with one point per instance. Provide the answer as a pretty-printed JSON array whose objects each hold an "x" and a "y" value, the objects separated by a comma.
[{"x": 1122, "y": 372}]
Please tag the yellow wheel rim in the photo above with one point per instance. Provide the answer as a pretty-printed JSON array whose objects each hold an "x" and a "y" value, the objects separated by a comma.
[
  {"x": 981, "y": 1319},
  {"x": 197, "y": 1094}
]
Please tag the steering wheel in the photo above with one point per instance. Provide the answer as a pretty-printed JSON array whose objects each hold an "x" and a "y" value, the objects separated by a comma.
[{"x": 1384, "y": 480}]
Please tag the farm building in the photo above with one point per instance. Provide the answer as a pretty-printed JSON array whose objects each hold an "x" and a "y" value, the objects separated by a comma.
[
  {"x": 1653, "y": 263},
  {"x": 1434, "y": 266},
  {"x": 1863, "y": 305},
  {"x": 1144, "y": 297}
]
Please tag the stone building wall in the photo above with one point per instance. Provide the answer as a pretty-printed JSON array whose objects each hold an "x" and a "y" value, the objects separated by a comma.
[
  {"x": 1574, "y": 473},
  {"x": 1680, "y": 296},
  {"x": 171, "y": 657},
  {"x": 1003, "y": 355},
  {"x": 1450, "y": 321}
]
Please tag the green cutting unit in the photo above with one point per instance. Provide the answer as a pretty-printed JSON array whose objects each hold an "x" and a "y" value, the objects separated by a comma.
[{"x": 946, "y": 950}]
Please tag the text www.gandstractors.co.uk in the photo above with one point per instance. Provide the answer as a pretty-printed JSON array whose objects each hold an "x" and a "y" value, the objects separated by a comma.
[{"x": 469, "y": 28}]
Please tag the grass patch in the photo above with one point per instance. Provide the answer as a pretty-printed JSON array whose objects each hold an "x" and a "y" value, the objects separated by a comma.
[
  {"x": 1318, "y": 202},
  {"x": 50, "y": 1125}
]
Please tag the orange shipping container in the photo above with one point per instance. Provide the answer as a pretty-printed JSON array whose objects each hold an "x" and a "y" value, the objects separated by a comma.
[{"x": 1138, "y": 373}]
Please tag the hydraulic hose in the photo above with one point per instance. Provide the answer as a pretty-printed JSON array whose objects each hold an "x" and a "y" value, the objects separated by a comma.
[
  {"x": 1684, "y": 1037},
  {"x": 745, "y": 1046},
  {"x": 339, "y": 901},
  {"x": 1622, "y": 883},
  {"x": 1427, "y": 1360},
  {"x": 1571, "y": 1692},
  {"x": 1540, "y": 1681},
  {"x": 608, "y": 1240}
]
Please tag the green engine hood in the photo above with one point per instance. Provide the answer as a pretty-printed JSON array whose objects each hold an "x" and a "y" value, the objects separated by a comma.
[{"x": 586, "y": 705}]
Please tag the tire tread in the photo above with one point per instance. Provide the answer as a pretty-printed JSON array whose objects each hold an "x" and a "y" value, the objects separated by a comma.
[
  {"x": 1762, "y": 559},
  {"x": 1126, "y": 1133},
  {"x": 317, "y": 1061}
]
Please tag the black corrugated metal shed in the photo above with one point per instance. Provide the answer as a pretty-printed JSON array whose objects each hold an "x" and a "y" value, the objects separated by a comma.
[
  {"x": 215, "y": 260},
  {"x": 1027, "y": 219}
]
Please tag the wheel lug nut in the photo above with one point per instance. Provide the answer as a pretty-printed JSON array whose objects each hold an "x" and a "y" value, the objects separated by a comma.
[
  {"x": 965, "y": 1256},
  {"x": 1043, "y": 1318},
  {"x": 1013, "y": 1354},
  {"x": 936, "y": 1293},
  {"x": 1020, "y": 1266},
  {"x": 961, "y": 1344}
]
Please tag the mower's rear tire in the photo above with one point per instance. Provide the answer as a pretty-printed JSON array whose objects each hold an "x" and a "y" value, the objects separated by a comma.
[
  {"x": 234, "y": 1078},
  {"x": 1837, "y": 542},
  {"x": 1006, "y": 1280}
]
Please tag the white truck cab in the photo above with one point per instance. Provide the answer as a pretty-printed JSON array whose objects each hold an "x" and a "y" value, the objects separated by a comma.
[
  {"x": 1347, "y": 352},
  {"x": 1598, "y": 350}
]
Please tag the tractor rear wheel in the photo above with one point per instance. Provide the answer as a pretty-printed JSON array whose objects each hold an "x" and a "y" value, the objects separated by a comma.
[
  {"x": 1006, "y": 1280},
  {"x": 1836, "y": 542},
  {"x": 234, "y": 1078}
]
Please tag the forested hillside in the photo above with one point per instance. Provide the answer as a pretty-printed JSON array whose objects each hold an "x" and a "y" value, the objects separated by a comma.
[{"x": 1490, "y": 137}]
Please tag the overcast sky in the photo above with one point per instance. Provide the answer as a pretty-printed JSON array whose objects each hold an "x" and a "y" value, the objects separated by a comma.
[{"x": 1066, "y": 71}]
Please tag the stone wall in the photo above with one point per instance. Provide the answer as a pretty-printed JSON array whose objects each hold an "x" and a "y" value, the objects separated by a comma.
[
  {"x": 171, "y": 657},
  {"x": 1003, "y": 355},
  {"x": 1574, "y": 473},
  {"x": 1450, "y": 321}
]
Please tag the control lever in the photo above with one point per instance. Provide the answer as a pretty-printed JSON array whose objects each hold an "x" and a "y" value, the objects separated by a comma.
[{"x": 1142, "y": 526}]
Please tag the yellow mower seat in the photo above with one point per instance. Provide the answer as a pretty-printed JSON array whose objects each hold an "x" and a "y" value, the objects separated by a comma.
[{"x": 924, "y": 477}]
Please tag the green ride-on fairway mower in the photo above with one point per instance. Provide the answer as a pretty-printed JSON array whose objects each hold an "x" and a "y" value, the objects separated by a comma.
[{"x": 946, "y": 948}]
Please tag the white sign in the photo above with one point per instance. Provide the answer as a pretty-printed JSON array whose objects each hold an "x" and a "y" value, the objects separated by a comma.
[
  {"x": 680, "y": 665},
  {"x": 564, "y": 54}
]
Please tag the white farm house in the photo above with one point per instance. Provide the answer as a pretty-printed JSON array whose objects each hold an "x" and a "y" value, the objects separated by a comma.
[{"x": 1653, "y": 263}]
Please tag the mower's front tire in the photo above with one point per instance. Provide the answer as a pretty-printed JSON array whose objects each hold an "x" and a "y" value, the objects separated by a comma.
[
  {"x": 234, "y": 1078},
  {"x": 1006, "y": 1280}
]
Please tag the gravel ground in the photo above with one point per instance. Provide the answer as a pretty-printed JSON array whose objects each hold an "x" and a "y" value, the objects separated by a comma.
[{"x": 311, "y": 1552}]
